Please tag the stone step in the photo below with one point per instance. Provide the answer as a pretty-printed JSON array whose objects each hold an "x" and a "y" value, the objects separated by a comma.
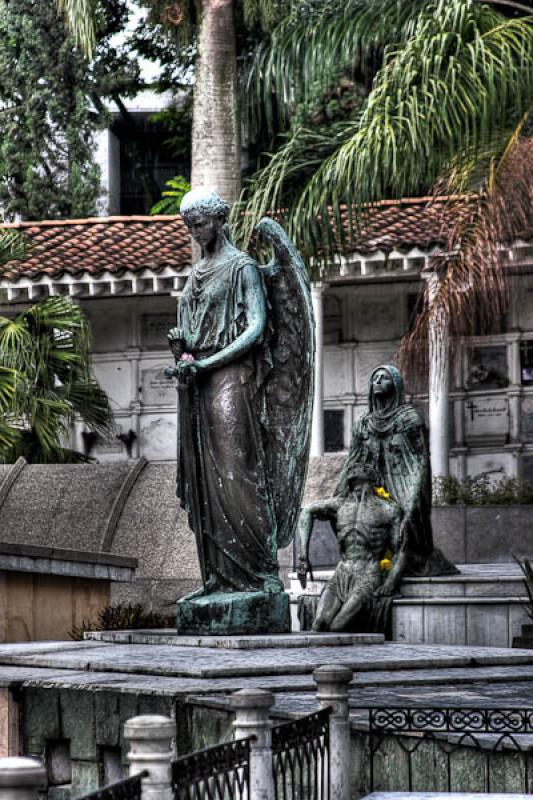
[{"x": 482, "y": 605}]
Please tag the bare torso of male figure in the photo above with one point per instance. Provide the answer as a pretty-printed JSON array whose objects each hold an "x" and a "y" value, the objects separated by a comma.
[{"x": 367, "y": 529}]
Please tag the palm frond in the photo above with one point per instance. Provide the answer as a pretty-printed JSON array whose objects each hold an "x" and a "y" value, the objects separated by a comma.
[
  {"x": 472, "y": 290},
  {"x": 318, "y": 41},
  {"x": 48, "y": 346},
  {"x": 13, "y": 246},
  {"x": 265, "y": 13},
  {"x": 440, "y": 99},
  {"x": 269, "y": 191},
  {"x": 80, "y": 20},
  {"x": 8, "y": 432}
]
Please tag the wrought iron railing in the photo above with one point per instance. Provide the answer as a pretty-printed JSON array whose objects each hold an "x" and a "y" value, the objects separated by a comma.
[
  {"x": 216, "y": 773},
  {"x": 487, "y": 730},
  {"x": 300, "y": 758},
  {"x": 128, "y": 789}
]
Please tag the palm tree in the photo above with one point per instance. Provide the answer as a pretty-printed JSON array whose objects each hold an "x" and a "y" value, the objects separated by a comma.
[
  {"x": 8, "y": 431},
  {"x": 444, "y": 114},
  {"x": 216, "y": 126},
  {"x": 452, "y": 87},
  {"x": 46, "y": 350}
]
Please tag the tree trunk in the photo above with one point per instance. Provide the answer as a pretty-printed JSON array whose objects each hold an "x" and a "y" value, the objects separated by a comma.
[{"x": 216, "y": 140}]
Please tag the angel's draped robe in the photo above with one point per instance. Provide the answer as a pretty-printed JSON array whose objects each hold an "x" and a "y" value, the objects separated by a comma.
[{"x": 236, "y": 531}]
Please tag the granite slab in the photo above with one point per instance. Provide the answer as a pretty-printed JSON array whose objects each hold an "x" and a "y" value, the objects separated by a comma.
[
  {"x": 199, "y": 662},
  {"x": 280, "y": 640}
]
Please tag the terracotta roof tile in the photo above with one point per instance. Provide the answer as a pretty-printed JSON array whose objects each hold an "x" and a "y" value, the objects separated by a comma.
[
  {"x": 402, "y": 225},
  {"x": 131, "y": 244},
  {"x": 101, "y": 244}
]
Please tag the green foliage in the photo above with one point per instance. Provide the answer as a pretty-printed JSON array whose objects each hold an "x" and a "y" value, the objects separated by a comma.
[
  {"x": 49, "y": 93},
  {"x": 527, "y": 571},
  {"x": 454, "y": 77},
  {"x": 123, "y": 616},
  {"x": 79, "y": 16},
  {"x": 176, "y": 121},
  {"x": 480, "y": 490},
  {"x": 172, "y": 197},
  {"x": 46, "y": 348}
]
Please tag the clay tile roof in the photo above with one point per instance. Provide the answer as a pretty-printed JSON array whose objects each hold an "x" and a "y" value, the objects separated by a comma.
[
  {"x": 121, "y": 245},
  {"x": 421, "y": 222},
  {"x": 401, "y": 225},
  {"x": 116, "y": 245}
]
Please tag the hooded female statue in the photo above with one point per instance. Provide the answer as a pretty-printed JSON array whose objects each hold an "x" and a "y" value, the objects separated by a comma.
[
  {"x": 392, "y": 438},
  {"x": 244, "y": 350}
]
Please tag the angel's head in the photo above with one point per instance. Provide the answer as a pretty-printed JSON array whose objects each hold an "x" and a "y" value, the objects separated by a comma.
[{"x": 205, "y": 213}]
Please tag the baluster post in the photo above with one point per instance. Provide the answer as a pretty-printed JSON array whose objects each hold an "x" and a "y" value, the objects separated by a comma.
[
  {"x": 151, "y": 750},
  {"x": 252, "y": 709},
  {"x": 21, "y": 778},
  {"x": 332, "y": 682}
]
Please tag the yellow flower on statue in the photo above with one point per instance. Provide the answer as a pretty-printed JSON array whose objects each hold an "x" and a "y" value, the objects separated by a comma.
[
  {"x": 386, "y": 562},
  {"x": 380, "y": 491}
]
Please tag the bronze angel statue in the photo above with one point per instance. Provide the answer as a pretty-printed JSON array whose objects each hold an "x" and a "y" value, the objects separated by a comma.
[{"x": 244, "y": 351}]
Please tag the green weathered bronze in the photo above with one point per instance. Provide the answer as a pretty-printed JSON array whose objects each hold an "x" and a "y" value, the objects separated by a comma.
[
  {"x": 368, "y": 529},
  {"x": 389, "y": 446},
  {"x": 244, "y": 350}
]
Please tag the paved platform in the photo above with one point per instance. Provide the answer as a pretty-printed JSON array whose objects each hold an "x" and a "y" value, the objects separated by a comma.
[
  {"x": 281, "y": 641},
  {"x": 170, "y": 669}
]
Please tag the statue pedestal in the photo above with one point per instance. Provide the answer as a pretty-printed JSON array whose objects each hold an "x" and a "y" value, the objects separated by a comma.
[{"x": 234, "y": 613}]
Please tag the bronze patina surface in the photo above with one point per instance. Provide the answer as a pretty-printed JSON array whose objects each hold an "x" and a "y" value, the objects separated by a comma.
[
  {"x": 244, "y": 350},
  {"x": 381, "y": 513}
]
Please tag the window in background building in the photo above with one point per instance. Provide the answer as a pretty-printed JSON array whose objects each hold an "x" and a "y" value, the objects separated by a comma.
[
  {"x": 146, "y": 162},
  {"x": 487, "y": 367},
  {"x": 526, "y": 363},
  {"x": 527, "y": 469},
  {"x": 333, "y": 430}
]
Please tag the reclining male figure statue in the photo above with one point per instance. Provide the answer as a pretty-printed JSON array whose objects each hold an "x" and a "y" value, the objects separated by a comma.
[{"x": 367, "y": 523}]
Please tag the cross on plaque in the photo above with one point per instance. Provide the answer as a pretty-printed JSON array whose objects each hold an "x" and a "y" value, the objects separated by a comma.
[{"x": 471, "y": 406}]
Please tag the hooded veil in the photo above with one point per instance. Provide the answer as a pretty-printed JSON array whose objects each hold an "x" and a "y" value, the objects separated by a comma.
[{"x": 395, "y": 443}]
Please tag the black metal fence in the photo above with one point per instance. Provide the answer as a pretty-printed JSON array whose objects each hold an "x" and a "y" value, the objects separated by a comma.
[
  {"x": 216, "y": 773},
  {"x": 300, "y": 758},
  {"x": 128, "y": 789},
  {"x": 445, "y": 740}
]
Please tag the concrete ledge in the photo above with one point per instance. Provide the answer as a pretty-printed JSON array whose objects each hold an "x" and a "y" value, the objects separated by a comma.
[{"x": 64, "y": 562}]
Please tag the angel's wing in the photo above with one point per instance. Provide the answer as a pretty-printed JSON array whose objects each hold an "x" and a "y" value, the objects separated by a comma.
[{"x": 288, "y": 387}]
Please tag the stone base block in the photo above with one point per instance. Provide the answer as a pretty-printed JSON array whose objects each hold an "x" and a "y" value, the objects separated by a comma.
[
  {"x": 234, "y": 613},
  {"x": 481, "y": 606}
]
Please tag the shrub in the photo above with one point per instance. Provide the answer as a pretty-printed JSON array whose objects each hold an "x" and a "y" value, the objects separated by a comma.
[
  {"x": 123, "y": 616},
  {"x": 480, "y": 490}
]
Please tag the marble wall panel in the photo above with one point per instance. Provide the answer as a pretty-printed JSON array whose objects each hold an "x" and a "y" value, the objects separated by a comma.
[
  {"x": 115, "y": 378},
  {"x": 338, "y": 372},
  {"x": 158, "y": 436},
  {"x": 156, "y": 388},
  {"x": 445, "y": 624},
  {"x": 408, "y": 623}
]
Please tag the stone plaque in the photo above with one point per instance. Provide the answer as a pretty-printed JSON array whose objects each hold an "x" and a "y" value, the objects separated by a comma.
[
  {"x": 377, "y": 318},
  {"x": 526, "y": 418},
  {"x": 156, "y": 388},
  {"x": 487, "y": 420},
  {"x": 154, "y": 329},
  {"x": 366, "y": 361},
  {"x": 487, "y": 367}
]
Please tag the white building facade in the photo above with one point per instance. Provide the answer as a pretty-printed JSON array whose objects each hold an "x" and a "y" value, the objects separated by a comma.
[{"x": 127, "y": 274}]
